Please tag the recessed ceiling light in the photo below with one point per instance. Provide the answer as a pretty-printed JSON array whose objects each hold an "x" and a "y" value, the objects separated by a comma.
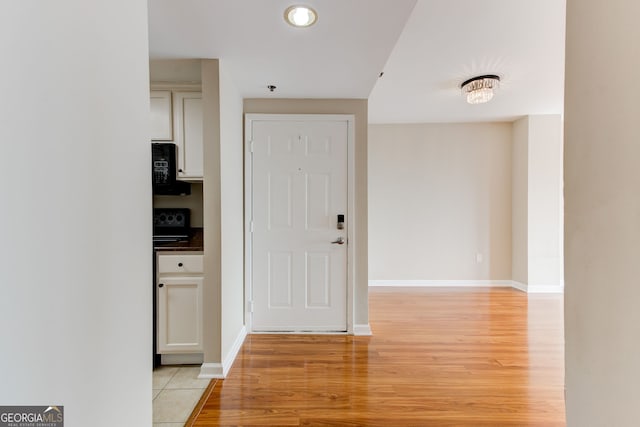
[{"x": 300, "y": 16}]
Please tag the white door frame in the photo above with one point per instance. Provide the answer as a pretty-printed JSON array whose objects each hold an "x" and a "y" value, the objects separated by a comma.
[{"x": 248, "y": 204}]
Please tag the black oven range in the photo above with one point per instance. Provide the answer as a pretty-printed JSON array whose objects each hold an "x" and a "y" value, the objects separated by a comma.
[{"x": 171, "y": 224}]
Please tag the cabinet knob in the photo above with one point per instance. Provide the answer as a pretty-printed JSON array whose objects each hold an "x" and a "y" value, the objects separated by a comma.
[
  {"x": 180, "y": 170},
  {"x": 179, "y": 264},
  {"x": 160, "y": 285}
]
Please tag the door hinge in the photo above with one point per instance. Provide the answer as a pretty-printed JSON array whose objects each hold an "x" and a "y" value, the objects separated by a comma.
[
  {"x": 251, "y": 146},
  {"x": 251, "y": 227},
  {"x": 250, "y": 306}
]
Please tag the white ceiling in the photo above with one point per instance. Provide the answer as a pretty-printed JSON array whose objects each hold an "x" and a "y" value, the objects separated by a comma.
[
  {"x": 428, "y": 50},
  {"x": 338, "y": 57}
]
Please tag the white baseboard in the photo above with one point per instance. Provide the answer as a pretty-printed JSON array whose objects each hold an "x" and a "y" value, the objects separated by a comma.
[
  {"x": 530, "y": 289},
  {"x": 443, "y": 283},
  {"x": 211, "y": 370},
  {"x": 233, "y": 352},
  {"x": 220, "y": 370},
  {"x": 539, "y": 289},
  {"x": 519, "y": 286},
  {"x": 362, "y": 330},
  {"x": 545, "y": 289},
  {"x": 181, "y": 359}
]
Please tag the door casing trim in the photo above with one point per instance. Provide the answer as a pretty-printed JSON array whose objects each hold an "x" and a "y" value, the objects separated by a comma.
[{"x": 249, "y": 119}]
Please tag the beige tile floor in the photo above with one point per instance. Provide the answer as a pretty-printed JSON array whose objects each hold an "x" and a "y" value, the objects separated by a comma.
[{"x": 176, "y": 391}]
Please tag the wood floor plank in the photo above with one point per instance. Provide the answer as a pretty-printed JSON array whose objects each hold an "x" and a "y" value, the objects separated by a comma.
[{"x": 438, "y": 357}]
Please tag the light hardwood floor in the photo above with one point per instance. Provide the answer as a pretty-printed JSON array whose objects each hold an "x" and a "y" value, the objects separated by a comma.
[{"x": 438, "y": 357}]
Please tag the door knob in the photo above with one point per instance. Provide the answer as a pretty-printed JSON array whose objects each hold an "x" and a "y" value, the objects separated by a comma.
[{"x": 339, "y": 241}]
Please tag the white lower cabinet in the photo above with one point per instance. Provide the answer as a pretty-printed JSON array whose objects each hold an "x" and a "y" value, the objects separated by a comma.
[{"x": 179, "y": 299}]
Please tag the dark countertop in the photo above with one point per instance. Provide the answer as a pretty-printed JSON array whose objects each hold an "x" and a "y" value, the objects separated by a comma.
[{"x": 194, "y": 243}]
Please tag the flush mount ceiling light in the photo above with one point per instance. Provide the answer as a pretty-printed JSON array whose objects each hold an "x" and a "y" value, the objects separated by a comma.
[
  {"x": 479, "y": 90},
  {"x": 300, "y": 16}
]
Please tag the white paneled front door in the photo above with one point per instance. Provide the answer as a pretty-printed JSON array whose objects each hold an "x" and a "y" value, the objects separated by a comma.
[{"x": 298, "y": 250}]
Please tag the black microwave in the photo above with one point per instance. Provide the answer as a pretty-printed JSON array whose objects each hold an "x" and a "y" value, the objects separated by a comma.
[{"x": 164, "y": 169}]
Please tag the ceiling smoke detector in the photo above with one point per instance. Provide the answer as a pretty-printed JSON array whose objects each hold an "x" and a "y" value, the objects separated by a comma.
[{"x": 300, "y": 16}]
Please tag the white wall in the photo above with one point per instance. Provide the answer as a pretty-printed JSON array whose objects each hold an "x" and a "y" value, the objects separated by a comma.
[
  {"x": 439, "y": 195},
  {"x": 545, "y": 200},
  {"x": 232, "y": 196},
  {"x": 602, "y": 219},
  {"x": 175, "y": 71},
  {"x": 520, "y": 201},
  {"x": 75, "y": 223},
  {"x": 537, "y": 203},
  {"x": 211, "y": 292}
]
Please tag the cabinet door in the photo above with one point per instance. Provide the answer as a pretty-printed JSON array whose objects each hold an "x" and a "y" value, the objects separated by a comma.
[
  {"x": 188, "y": 122},
  {"x": 161, "y": 119},
  {"x": 179, "y": 315}
]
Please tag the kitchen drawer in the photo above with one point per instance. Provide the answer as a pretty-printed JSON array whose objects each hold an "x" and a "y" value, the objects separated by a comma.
[{"x": 180, "y": 263}]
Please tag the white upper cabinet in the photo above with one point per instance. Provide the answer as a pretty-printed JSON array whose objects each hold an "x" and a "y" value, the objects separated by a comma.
[
  {"x": 161, "y": 123},
  {"x": 187, "y": 119},
  {"x": 176, "y": 116}
]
